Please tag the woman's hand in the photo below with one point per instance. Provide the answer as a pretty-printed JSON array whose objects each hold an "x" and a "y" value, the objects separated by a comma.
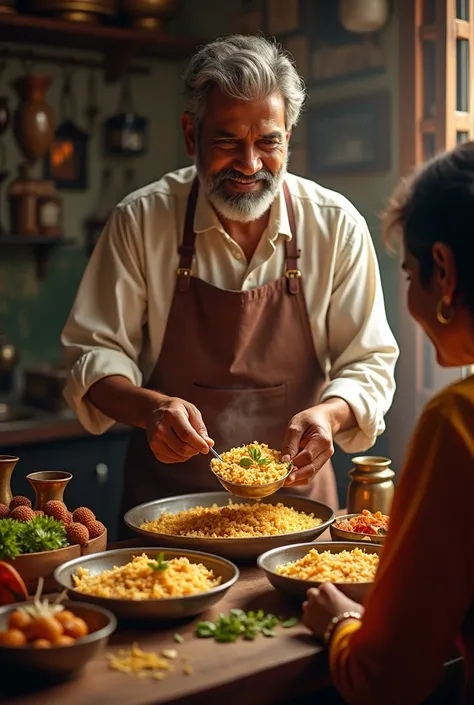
[{"x": 323, "y": 604}]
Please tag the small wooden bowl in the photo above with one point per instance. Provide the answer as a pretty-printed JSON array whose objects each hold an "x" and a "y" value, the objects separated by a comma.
[{"x": 32, "y": 566}]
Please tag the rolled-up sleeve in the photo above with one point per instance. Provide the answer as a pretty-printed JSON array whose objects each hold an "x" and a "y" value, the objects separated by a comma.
[
  {"x": 362, "y": 349},
  {"x": 103, "y": 334}
]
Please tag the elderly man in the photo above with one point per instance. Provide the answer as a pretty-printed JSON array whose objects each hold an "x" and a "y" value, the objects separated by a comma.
[{"x": 232, "y": 301}]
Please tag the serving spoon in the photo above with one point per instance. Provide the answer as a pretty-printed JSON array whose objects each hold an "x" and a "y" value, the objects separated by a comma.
[{"x": 215, "y": 454}]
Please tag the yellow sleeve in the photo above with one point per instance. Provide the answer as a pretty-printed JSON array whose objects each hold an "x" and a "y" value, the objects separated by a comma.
[{"x": 425, "y": 582}]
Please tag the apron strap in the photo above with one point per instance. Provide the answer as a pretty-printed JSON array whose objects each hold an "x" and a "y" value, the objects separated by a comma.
[
  {"x": 292, "y": 272},
  {"x": 186, "y": 249}
]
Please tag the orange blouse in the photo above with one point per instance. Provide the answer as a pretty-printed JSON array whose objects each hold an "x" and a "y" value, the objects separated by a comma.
[{"x": 423, "y": 596}]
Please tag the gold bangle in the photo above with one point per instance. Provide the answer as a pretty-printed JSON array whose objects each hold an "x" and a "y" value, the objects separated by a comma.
[{"x": 337, "y": 620}]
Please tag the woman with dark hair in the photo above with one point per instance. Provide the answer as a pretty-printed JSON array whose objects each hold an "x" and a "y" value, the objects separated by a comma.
[{"x": 422, "y": 602}]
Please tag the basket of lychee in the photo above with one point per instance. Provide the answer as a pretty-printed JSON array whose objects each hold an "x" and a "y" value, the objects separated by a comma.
[{"x": 37, "y": 541}]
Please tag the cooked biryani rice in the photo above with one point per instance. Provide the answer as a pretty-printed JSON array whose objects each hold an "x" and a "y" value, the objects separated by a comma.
[
  {"x": 234, "y": 521},
  {"x": 262, "y": 465},
  {"x": 138, "y": 581},
  {"x": 354, "y": 566}
]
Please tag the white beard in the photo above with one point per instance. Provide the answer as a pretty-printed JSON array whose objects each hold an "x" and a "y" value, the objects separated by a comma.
[{"x": 242, "y": 207}]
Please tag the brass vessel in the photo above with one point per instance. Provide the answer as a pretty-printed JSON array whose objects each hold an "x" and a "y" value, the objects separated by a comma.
[
  {"x": 7, "y": 466},
  {"x": 149, "y": 14},
  {"x": 48, "y": 484},
  {"x": 89, "y": 11},
  {"x": 371, "y": 485}
]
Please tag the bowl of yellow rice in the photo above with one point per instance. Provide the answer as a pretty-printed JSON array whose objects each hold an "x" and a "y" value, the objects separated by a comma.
[
  {"x": 251, "y": 471},
  {"x": 349, "y": 566},
  {"x": 148, "y": 583}
]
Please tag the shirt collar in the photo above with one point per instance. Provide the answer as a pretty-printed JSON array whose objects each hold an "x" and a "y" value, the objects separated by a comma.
[{"x": 206, "y": 219}]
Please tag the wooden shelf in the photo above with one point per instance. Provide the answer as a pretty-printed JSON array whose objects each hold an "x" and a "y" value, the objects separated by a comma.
[
  {"x": 41, "y": 246},
  {"x": 118, "y": 44}
]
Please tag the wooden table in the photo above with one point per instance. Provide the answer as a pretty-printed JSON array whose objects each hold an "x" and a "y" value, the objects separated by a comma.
[{"x": 267, "y": 670}]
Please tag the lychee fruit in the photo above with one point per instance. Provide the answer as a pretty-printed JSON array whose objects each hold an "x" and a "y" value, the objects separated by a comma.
[
  {"x": 4, "y": 511},
  {"x": 22, "y": 513},
  {"x": 83, "y": 515},
  {"x": 96, "y": 528},
  {"x": 77, "y": 533},
  {"x": 39, "y": 513},
  {"x": 68, "y": 519},
  {"x": 56, "y": 509},
  {"x": 20, "y": 501}
]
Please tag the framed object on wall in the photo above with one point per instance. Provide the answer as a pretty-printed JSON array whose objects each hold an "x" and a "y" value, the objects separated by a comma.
[
  {"x": 336, "y": 53},
  {"x": 298, "y": 46},
  {"x": 351, "y": 135}
]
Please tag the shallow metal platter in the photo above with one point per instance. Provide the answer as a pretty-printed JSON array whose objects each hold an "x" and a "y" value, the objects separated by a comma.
[
  {"x": 167, "y": 609},
  {"x": 239, "y": 549},
  {"x": 295, "y": 587}
]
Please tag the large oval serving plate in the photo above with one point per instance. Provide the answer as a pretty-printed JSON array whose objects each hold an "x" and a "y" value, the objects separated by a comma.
[{"x": 239, "y": 549}]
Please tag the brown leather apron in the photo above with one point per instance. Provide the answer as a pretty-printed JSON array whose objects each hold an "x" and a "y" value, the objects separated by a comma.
[{"x": 245, "y": 359}]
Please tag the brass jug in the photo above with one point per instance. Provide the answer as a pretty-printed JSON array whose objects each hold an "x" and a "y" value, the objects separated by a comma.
[
  {"x": 7, "y": 466},
  {"x": 371, "y": 485}
]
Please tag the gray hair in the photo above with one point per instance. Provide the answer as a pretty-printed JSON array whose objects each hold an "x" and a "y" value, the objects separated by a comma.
[{"x": 244, "y": 67}]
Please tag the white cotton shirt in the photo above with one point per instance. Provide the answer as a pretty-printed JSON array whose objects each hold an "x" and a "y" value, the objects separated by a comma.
[{"x": 118, "y": 320}]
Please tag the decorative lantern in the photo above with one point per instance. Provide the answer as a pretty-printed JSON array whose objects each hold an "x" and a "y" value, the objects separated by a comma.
[{"x": 66, "y": 161}]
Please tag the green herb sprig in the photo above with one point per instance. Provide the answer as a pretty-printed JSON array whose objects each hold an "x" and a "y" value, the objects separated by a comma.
[
  {"x": 42, "y": 533},
  {"x": 9, "y": 540},
  {"x": 247, "y": 625},
  {"x": 255, "y": 458},
  {"x": 159, "y": 563}
]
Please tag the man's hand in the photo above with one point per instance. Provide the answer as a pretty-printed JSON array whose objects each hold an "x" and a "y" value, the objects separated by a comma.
[
  {"x": 308, "y": 444},
  {"x": 309, "y": 438},
  {"x": 324, "y": 603},
  {"x": 176, "y": 431}
]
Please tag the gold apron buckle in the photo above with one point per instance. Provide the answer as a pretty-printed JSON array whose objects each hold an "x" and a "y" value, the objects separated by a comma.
[
  {"x": 292, "y": 273},
  {"x": 185, "y": 271}
]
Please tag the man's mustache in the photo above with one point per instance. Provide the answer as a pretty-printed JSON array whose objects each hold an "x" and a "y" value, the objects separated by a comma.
[{"x": 234, "y": 175}]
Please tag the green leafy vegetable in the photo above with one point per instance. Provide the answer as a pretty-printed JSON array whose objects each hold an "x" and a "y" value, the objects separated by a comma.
[
  {"x": 9, "y": 540},
  {"x": 247, "y": 625},
  {"x": 177, "y": 637},
  {"x": 159, "y": 563},
  {"x": 292, "y": 622},
  {"x": 42, "y": 534},
  {"x": 255, "y": 458}
]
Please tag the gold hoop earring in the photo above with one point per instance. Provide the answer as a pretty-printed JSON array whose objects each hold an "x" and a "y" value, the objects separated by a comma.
[{"x": 444, "y": 316}]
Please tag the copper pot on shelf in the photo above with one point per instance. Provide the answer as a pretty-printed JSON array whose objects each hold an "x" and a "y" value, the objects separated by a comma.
[
  {"x": 7, "y": 7},
  {"x": 87, "y": 11},
  {"x": 149, "y": 14},
  {"x": 34, "y": 121}
]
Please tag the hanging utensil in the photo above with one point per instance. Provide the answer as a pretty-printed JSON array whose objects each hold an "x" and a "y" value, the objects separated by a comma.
[
  {"x": 66, "y": 162},
  {"x": 92, "y": 110},
  {"x": 126, "y": 132}
]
